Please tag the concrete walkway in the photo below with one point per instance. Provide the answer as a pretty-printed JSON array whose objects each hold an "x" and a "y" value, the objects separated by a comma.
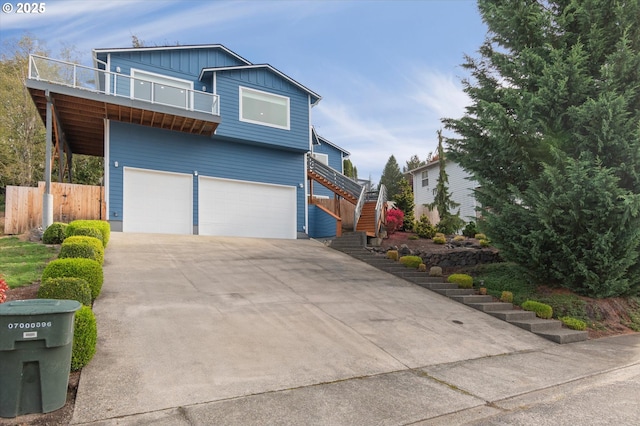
[{"x": 201, "y": 330}]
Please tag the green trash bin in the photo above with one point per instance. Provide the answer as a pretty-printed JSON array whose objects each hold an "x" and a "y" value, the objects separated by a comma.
[{"x": 36, "y": 338}]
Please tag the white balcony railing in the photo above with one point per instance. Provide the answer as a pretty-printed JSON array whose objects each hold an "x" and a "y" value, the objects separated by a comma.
[{"x": 116, "y": 84}]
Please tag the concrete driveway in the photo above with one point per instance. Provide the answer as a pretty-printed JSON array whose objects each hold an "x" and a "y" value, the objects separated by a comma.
[{"x": 207, "y": 330}]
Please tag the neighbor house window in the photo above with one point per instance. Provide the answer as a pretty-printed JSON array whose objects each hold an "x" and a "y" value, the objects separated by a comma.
[
  {"x": 161, "y": 89},
  {"x": 425, "y": 178},
  {"x": 264, "y": 108}
]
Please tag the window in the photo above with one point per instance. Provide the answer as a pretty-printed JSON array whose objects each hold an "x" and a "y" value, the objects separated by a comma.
[
  {"x": 161, "y": 89},
  {"x": 264, "y": 108},
  {"x": 425, "y": 178},
  {"x": 321, "y": 158}
]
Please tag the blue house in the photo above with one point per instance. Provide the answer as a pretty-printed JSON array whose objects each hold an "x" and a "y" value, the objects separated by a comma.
[{"x": 196, "y": 140}]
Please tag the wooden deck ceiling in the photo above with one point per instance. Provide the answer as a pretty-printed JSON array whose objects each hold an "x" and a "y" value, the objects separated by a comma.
[{"x": 81, "y": 115}]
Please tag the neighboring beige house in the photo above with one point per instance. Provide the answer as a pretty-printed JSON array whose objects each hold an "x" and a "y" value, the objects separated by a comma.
[{"x": 460, "y": 187}]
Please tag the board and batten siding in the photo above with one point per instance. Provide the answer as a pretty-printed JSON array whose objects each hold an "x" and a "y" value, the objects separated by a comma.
[
  {"x": 228, "y": 88},
  {"x": 141, "y": 147},
  {"x": 460, "y": 189}
]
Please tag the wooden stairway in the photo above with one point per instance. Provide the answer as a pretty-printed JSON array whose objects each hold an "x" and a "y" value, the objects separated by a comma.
[
  {"x": 332, "y": 186},
  {"x": 367, "y": 222}
]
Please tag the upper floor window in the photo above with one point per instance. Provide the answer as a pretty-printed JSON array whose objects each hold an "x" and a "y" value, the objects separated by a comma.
[
  {"x": 264, "y": 108},
  {"x": 161, "y": 89},
  {"x": 425, "y": 178}
]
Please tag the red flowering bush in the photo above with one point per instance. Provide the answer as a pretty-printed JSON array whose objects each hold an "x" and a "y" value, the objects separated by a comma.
[
  {"x": 395, "y": 218},
  {"x": 3, "y": 290}
]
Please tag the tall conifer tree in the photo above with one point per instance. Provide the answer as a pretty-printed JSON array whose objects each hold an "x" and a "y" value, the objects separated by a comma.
[{"x": 552, "y": 136}]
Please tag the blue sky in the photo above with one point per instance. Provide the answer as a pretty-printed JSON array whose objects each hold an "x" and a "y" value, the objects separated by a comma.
[{"x": 387, "y": 71}]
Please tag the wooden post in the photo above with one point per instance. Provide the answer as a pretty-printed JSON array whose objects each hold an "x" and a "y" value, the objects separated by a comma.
[{"x": 47, "y": 198}]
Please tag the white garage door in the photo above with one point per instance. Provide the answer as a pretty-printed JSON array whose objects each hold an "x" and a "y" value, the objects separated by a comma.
[
  {"x": 246, "y": 209},
  {"x": 157, "y": 202}
]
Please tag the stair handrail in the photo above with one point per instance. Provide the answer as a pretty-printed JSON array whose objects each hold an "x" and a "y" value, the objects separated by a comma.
[
  {"x": 336, "y": 178},
  {"x": 358, "y": 211},
  {"x": 380, "y": 206}
]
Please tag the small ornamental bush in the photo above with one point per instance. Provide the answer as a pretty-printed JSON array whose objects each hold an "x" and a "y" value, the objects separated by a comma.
[
  {"x": 439, "y": 240},
  {"x": 440, "y": 235},
  {"x": 66, "y": 288},
  {"x": 463, "y": 280},
  {"x": 470, "y": 230},
  {"x": 100, "y": 225},
  {"x": 574, "y": 323},
  {"x": 395, "y": 220},
  {"x": 424, "y": 228},
  {"x": 393, "y": 255},
  {"x": 87, "y": 232},
  {"x": 411, "y": 261},
  {"x": 413, "y": 237},
  {"x": 480, "y": 237},
  {"x": 55, "y": 233},
  {"x": 87, "y": 269},
  {"x": 422, "y": 267},
  {"x": 484, "y": 243},
  {"x": 459, "y": 238},
  {"x": 542, "y": 310},
  {"x": 80, "y": 246},
  {"x": 85, "y": 338},
  {"x": 506, "y": 297},
  {"x": 435, "y": 271}
]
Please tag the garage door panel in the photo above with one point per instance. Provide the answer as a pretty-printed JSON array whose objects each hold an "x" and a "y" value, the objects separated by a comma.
[
  {"x": 157, "y": 202},
  {"x": 246, "y": 209}
]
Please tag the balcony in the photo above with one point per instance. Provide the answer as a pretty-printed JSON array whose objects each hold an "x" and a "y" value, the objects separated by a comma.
[{"x": 83, "y": 97}]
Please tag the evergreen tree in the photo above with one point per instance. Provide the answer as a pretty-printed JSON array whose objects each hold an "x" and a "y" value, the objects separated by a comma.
[
  {"x": 553, "y": 138},
  {"x": 349, "y": 169},
  {"x": 412, "y": 163},
  {"x": 449, "y": 223},
  {"x": 391, "y": 177},
  {"x": 404, "y": 201}
]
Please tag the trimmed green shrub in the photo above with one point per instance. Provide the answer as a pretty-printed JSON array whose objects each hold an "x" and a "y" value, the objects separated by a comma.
[
  {"x": 85, "y": 338},
  {"x": 411, "y": 261},
  {"x": 542, "y": 310},
  {"x": 506, "y": 297},
  {"x": 87, "y": 269},
  {"x": 100, "y": 225},
  {"x": 55, "y": 233},
  {"x": 574, "y": 323},
  {"x": 86, "y": 231},
  {"x": 470, "y": 230},
  {"x": 480, "y": 237},
  {"x": 422, "y": 267},
  {"x": 393, "y": 254},
  {"x": 459, "y": 238},
  {"x": 484, "y": 243},
  {"x": 66, "y": 288},
  {"x": 439, "y": 240},
  {"x": 424, "y": 228},
  {"x": 463, "y": 280},
  {"x": 81, "y": 246}
]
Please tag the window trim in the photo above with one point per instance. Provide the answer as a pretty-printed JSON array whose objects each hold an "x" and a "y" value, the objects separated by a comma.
[
  {"x": 424, "y": 176},
  {"x": 242, "y": 89}
]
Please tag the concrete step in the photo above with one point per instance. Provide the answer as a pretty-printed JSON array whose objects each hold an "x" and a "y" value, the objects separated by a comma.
[
  {"x": 450, "y": 292},
  {"x": 474, "y": 298},
  {"x": 430, "y": 280},
  {"x": 513, "y": 315},
  {"x": 564, "y": 335},
  {"x": 491, "y": 306},
  {"x": 538, "y": 325},
  {"x": 435, "y": 285}
]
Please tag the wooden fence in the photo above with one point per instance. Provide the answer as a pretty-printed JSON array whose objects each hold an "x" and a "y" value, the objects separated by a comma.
[
  {"x": 346, "y": 210},
  {"x": 23, "y": 205}
]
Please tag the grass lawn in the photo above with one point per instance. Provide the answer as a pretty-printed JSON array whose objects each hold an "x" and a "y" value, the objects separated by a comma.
[{"x": 22, "y": 262}]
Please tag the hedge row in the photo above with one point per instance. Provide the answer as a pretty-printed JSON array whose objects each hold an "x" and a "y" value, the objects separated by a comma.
[{"x": 77, "y": 275}]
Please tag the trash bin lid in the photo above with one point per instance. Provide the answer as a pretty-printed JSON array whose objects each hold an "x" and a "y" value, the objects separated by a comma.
[{"x": 38, "y": 307}]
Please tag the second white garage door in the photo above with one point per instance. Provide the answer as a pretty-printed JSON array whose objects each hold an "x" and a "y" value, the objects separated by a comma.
[
  {"x": 157, "y": 202},
  {"x": 246, "y": 209}
]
